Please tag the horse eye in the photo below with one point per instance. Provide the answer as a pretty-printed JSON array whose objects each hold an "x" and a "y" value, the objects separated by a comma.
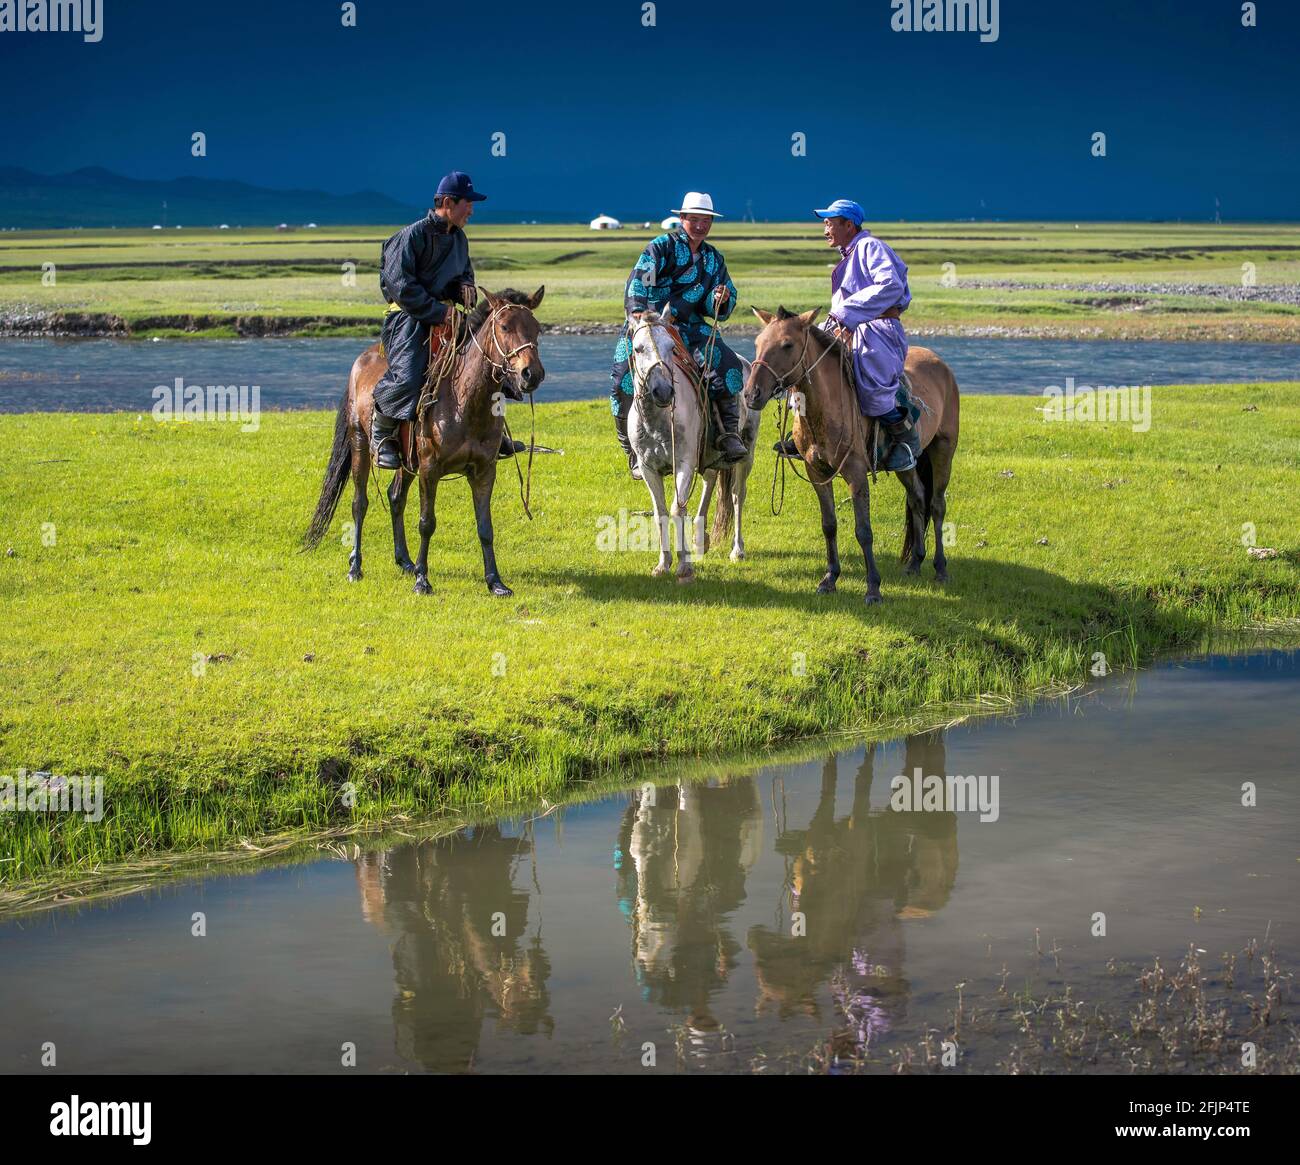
[{"x": 787, "y": 344}]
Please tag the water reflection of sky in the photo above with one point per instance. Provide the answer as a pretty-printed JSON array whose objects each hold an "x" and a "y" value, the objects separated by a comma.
[{"x": 675, "y": 911}]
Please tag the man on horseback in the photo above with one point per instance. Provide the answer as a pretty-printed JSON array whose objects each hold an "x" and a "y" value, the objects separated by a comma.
[
  {"x": 683, "y": 278},
  {"x": 869, "y": 293},
  {"x": 425, "y": 274}
]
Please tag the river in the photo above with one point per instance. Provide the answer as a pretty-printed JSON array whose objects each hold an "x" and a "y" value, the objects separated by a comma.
[
  {"x": 107, "y": 375},
  {"x": 721, "y": 920}
]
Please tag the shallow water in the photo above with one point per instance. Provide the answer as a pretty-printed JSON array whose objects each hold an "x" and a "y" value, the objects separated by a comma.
[
  {"x": 100, "y": 375},
  {"x": 674, "y": 911}
]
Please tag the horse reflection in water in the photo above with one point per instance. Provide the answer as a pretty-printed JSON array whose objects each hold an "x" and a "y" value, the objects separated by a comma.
[
  {"x": 856, "y": 881},
  {"x": 682, "y": 857},
  {"x": 438, "y": 898}
]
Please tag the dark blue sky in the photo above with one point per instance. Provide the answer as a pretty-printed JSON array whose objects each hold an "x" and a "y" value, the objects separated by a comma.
[{"x": 602, "y": 114}]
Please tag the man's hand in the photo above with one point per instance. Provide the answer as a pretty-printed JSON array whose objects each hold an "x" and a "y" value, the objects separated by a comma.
[
  {"x": 841, "y": 333},
  {"x": 468, "y": 295},
  {"x": 720, "y": 296}
]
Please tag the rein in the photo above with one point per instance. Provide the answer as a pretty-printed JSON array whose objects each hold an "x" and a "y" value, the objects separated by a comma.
[
  {"x": 498, "y": 375},
  {"x": 781, "y": 384},
  {"x": 686, "y": 364},
  {"x": 450, "y": 363}
]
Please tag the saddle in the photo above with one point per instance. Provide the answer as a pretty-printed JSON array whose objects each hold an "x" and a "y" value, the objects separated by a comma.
[
  {"x": 439, "y": 337},
  {"x": 709, "y": 458},
  {"x": 911, "y": 406},
  {"x": 904, "y": 398}
]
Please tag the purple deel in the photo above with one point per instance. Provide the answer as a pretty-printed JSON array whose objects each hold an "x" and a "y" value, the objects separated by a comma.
[{"x": 871, "y": 279}]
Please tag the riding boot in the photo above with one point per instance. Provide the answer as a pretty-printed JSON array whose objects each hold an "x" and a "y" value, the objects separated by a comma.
[
  {"x": 509, "y": 448},
  {"x": 786, "y": 448},
  {"x": 383, "y": 441},
  {"x": 906, "y": 447},
  {"x": 620, "y": 427},
  {"x": 729, "y": 443}
]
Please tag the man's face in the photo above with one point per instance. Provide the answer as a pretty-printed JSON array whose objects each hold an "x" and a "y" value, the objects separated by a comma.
[
  {"x": 457, "y": 210},
  {"x": 838, "y": 231},
  {"x": 697, "y": 226}
]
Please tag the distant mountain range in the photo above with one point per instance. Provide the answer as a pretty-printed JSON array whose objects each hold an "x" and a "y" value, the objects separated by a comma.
[{"x": 95, "y": 197}]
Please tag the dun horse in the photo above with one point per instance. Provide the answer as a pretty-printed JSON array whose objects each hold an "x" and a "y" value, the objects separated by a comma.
[
  {"x": 666, "y": 426},
  {"x": 831, "y": 435},
  {"x": 459, "y": 434}
]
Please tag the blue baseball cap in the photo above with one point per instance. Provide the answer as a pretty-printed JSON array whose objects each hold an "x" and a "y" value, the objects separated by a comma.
[
  {"x": 459, "y": 185},
  {"x": 843, "y": 208}
]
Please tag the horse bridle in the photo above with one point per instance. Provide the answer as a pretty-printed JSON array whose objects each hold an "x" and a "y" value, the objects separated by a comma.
[
  {"x": 806, "y": 374},
  {"x": 639, "y": 381},
  {"x": 504, "y": 366}
]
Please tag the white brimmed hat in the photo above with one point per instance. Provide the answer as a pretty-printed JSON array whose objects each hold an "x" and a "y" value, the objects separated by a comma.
[{"x": 697, "y": 203}]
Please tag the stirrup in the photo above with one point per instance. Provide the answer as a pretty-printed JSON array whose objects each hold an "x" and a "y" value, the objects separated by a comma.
[{"x": 386, "y": 454}]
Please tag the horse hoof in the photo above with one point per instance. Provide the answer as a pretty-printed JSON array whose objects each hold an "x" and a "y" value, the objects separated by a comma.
[
  {"x": 407, "y": 566},
  {"x": 873, "y": 597},
  {"x": 911, "y": 570},
  {"x": 737, "y": 556},
  {"x": 659, "y": 572},
  {"x": 826, "y": 586},
  {"x": 354, "y": 575},
  {"x": 941, "y": 576},
  {"x": 685, "y": 579},
  {"x": 500, "y": 589},
  {"x": 422, "y": 587}
]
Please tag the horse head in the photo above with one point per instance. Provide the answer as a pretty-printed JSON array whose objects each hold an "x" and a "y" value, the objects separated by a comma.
[
  {"x": 780, "y": 354},
  {"x": 505, "y": 331},
  {"x": 651, "y": 357}
]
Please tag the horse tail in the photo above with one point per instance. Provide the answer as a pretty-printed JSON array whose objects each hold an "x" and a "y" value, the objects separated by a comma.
[
  {"x": 725, "y": 514},
  {"x": 925, "y": 473},
  {"x": 336, "y": 476}
]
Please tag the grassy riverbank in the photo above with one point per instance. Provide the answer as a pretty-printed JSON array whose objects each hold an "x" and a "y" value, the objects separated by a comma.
[
  {"x": 1115, "y": 280},
  {"x": 163, "y": 630}
]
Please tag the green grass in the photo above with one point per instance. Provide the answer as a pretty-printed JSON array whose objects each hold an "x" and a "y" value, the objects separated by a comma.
[
  {"x": 158, "y": 282},
  {"x": 175, "y": 542}
]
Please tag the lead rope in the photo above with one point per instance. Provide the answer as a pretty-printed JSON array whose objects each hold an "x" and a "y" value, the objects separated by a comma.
[
  {"x": 781, "y": 459},
  {"x": 525, "y": 490}
]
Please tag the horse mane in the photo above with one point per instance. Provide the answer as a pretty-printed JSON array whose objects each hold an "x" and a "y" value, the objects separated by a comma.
[{"x": 479, "y": 312}]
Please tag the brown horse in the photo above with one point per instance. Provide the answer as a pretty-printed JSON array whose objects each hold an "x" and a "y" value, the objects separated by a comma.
[
  {"x": 832, "y": 435},
  {"x": 460, "y": 432}
]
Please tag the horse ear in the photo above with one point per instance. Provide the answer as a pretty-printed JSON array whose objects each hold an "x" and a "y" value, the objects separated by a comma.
[
  {"x": 536, "y": 301},
  {"x": 809, "y": 317},
  {"x": 765, "y": 316},
  {"x": 488, "y": 297}
]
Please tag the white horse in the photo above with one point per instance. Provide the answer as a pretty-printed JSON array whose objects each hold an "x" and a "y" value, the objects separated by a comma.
[{"x": 665, "y": 427}]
